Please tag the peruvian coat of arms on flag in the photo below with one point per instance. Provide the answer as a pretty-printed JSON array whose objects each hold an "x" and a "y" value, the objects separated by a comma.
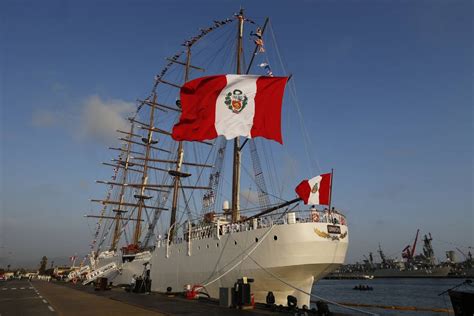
[
  {"x": 236, "y": 101},
  {"x": 316, "y": 190}
]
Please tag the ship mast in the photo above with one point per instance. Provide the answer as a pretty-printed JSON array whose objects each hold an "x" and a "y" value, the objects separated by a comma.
[
  {"x": 177, "y": 174},
  {"x": 118, "y": 211},
  {"x": 141, "y": 197},
  {"x": 237, "y": 152}
]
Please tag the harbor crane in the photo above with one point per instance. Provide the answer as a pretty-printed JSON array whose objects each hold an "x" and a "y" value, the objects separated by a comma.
[{"x": 409, "y": 251}]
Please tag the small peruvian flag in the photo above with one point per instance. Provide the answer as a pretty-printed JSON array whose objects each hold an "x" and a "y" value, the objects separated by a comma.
[
  {"x": 232, "y": 106},
  {"x": 316, "y": 190},
  {"x": 72, "y": 258}
]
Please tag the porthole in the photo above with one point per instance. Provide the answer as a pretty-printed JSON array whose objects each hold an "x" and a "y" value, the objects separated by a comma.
[
  {"x": 275, "y": 237},
  {"x": 199, "y": 247},
  {"x": 207, "y": 246},
  {"x": 256, "y": 239},
  {"x": 235, "y": 243},
  {"x": 217, "y": 245}
]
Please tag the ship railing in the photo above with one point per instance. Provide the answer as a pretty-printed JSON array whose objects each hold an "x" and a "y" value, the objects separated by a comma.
[
  {"x": 190, "y": 232},
  {"x": 218, "y": 229},
  {"x": 321, "y": 217},
  {"x": 307, "y": 216}
]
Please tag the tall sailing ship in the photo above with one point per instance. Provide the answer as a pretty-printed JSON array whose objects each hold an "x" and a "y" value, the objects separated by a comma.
[{"x": 175, "y": 213}]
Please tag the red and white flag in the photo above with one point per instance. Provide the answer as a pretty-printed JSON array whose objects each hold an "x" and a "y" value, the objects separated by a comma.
[
  {"x": 232, "y": 106},
  {"x": 316, "y": 190}
]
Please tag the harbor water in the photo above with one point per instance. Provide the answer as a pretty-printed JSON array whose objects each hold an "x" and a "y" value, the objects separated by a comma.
[{"x": 421, "y": 293}]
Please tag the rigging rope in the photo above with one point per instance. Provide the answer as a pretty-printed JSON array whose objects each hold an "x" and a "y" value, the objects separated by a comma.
[
  {"x": 250, "y": 176},
  {"x": 307, "y": 139}
]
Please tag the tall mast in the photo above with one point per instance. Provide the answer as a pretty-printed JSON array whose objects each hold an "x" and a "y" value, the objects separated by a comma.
[
  {"x": 141, "y": 197},
  {"x": 237, "y": 154},
  {"x": 179, "y": 162},
  {"x": 118, "y": 210}
]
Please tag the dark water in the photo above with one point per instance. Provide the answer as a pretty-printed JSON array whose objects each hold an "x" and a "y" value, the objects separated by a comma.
[{"x": 400, "y": 292}]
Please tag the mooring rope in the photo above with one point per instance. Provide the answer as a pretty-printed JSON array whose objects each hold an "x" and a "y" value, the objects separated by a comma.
[
  {"x": 311, "y": 295},
  {"x": 248, "y": 255},
  {"x": 291, "y": 285}
]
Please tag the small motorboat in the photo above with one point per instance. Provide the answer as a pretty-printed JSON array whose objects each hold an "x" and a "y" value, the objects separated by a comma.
[{"x": 361, "y": 287}]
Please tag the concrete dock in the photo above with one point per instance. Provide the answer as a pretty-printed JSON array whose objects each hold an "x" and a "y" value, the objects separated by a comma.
[{"x": 22, "y": 297}]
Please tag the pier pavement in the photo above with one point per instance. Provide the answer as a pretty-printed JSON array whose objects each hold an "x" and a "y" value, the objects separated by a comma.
[
  {"x": 21, "y": 297},
  {"x": 42, "y": 298}
]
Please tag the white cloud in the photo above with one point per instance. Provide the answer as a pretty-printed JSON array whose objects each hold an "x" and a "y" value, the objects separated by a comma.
[
  {"x": 96, "y": 119},
  {"x": 57, "y": 87},
  {"x": 100, "y": 118},
  {"x": 249, "y": 196},
  {"x": 43, "y": 118}
]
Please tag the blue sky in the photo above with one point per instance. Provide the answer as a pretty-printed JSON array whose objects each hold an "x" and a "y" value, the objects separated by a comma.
[{"x": 386, "y": 88}]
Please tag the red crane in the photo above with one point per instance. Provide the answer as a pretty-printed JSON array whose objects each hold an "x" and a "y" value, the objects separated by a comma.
[{"x": 409, "y": 251}]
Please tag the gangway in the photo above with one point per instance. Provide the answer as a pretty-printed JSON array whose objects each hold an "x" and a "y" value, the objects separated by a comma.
[
  {"x": 77, "y": 273},
  {"x": 101, "y": 272}
]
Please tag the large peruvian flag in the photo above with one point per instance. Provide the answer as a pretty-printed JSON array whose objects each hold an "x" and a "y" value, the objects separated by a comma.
[
  {"x": 231, "y": 105},
  {"x": 316, "y": 190}
]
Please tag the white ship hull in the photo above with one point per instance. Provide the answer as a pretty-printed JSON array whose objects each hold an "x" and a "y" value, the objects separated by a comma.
[{"x": 297, "y": 254}]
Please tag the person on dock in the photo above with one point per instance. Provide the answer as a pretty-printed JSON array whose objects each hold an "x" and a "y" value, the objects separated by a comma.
[{"x": 133, "y": 282}]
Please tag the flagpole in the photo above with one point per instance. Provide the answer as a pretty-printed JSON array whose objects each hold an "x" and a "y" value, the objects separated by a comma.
[{"x": 330, "y": 194}]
